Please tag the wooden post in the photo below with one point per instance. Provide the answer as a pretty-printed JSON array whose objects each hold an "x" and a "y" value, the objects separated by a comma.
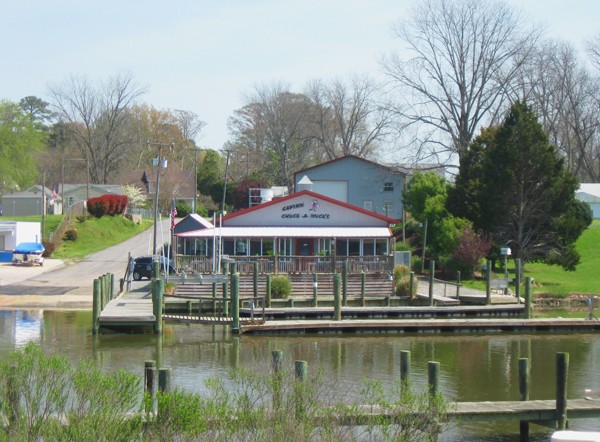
[
  {"x": 431, "y": 277},
  {"x": 527, "y": 312},
  {"x": 235, "y": 303},
  {"x": 337, "y": 299},
  {"x": 524, "y": 394},
  {"x": 96, "y": 309},
  {"x": 155, "y": 269},
  {"x": 458, "y": 284},
  {"x": 160, "y": 291},
  {"x": 363, "y": 288},
  {"x": 488, "y": 280},
  {"x": 277, "y": 365},
  {"x": 147, "y": 375},
  {"x": 102, "y": 297},
  {"x": 225, "y": 286},
  {"x": 315, "y": 290},
  {"x": 214, "y": 300},
  {"x": 345, "y": 282},
  {"x": 562, "y": 368},
  {"x": 411, "y": 286},
  {"x": 433, "y": 376},
  {"x": 404, "y": 366},
  {"x": 268, "y": 289},
  {"x": 255, "y": 278},
  {"x": 299, "y": 393},
  {"x": 164, "y": 380},
  {"x": 111, "y": 277},
  {"x": 518, "y": 279}
]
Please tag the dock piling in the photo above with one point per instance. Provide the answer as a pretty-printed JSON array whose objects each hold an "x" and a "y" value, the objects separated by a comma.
[
  {"x": 337, "y": 301},
  {"x": 300, "y": 368},
  {"x": 527, "y": 311},
  {"x": 315, "y": 290},
  {"x": 235, "y": 302},
  {"x": 488, "y": 283},
  {"x": 345, "y": 283},
  {"x": 96, "y": 307},
  {"x": 404, "y": 366},
  {"x": 363, "y": 286},
  {"x": 562, "y": 368},
  {"x": 164, "y": 380},
  {"x": 277, "y": 366},
  {"x": 433, "y": 376},
  {"x": 431, "y": 278},
  {"x": 524, "y": 395}
]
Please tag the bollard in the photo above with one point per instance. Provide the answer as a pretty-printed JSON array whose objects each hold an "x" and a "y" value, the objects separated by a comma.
[
  {"x": 315, "y": 290},
  {"x": 164, "y": 380},
  {"x": 363, "y": 288},
  {"x": 337, "y": 299},
  {"x": 96, "y": 309},
  {"x": 345, "y": 283},
  {"x": 404, "y": 366},
  {"x": 235, "y": 303},
  {"x": 524, "y": 394},
  {"x": 268, "y": 290},
  {"x": 562, "y": 368},
  {"x": 431, "y": 278}
]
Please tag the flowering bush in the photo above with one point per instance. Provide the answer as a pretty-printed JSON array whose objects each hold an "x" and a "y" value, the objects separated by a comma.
[{"x": 107, "y": 205}]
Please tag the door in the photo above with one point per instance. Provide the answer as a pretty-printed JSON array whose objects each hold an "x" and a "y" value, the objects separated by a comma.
[{"x": 304, "y": 246}]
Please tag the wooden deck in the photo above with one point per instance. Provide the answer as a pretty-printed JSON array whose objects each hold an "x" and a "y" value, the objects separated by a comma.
[{"x": 135, "y": 309}]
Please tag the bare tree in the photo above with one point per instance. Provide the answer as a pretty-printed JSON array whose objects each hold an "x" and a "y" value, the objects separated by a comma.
[
  {"x": 348, "y": 119},
  {"x": 97, "y": 118},
  {"x": 275, "y": 122},
  {"x": 565, "y": 97},
  {"x": 466, "y": 53},
  {"x": 593, "y": 49}
]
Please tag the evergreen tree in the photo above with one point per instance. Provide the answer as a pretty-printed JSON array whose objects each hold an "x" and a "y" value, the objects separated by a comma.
[{"x": 516, "y": 188}]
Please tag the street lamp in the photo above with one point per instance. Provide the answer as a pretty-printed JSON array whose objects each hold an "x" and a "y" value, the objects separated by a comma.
[
  {"x": 159, "y": 162},
  {"x": 62, "y": 189}
]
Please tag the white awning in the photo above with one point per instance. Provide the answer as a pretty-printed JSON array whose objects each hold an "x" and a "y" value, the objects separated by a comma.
[{"x": 290, "y": 232}]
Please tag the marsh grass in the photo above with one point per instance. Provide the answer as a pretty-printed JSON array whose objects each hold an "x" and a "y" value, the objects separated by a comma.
[{"x": 42, "y": 397}]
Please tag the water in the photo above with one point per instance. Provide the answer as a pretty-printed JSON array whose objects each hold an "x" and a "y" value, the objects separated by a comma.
[{"x": 473, "y": 367}]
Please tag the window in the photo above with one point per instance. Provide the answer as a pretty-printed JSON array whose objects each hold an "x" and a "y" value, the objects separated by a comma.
[
  {"x": 368, "y": 247},
  {"x": 353, "y": 247},
  {"x": 388, "y": 186},
  {"x": 381, "y": 247}
]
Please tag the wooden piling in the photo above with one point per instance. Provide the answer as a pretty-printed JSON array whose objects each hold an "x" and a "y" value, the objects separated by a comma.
[
  {"x": 562, "y": 368},
  {"x": 524, "y": 395},
  {"x": 111, "y": 285},
  {"x": 363, "y": 291},
  {"x": 147, "y": 375},
  {"x": 300, "y": 368},
  {"x": 158, "y": 306},
  {"x": 96, "y": 308},
  {"x": 404, "y": 366},
  {"x": 255, "y": 278},
  {"x": 315, "y": 291},
  {"x": 345, "y": 283},
  {"x": 527, "y": 311},
  {"x": 411, "y": 286},
  {"x": 488, "y": 281},
  {"x": 277, "y": 373},
  {"x": 458, "y": 284},
  {"x": 235, "y": 303},
  {"x": 268, "y": 290},
  {"x": 433, "y": 377},
  {"x": 164, "y": 380},
  {"x": 431, "y": 278},
  {"x": 337, "y": 299},
  {"x": 518, "y": 279},
  {"x": 214, "y": 300}
]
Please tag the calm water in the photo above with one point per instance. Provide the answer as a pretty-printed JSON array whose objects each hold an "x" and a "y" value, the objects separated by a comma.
[{"x": 473, "y": 367}]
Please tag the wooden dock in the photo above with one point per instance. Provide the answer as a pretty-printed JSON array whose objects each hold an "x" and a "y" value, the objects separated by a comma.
[{"x": 134, "y": 310}]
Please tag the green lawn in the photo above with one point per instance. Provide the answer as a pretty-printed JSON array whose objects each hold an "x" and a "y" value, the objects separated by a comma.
[{"x": 556, "y": 281}]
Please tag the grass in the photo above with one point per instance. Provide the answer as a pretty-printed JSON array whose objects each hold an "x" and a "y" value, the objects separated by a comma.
[
  {"x": 95, "y": 234},
  {"x": 553, "y": 280}
]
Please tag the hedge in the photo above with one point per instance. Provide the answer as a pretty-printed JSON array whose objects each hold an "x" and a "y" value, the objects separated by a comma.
[{"x": 107, "y": 205}]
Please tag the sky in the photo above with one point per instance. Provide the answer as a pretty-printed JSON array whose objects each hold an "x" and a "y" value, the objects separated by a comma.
[{"x": 208, "y": 56}]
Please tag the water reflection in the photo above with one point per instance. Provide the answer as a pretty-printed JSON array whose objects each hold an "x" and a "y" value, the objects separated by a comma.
[{"x": 482, "y": 367}]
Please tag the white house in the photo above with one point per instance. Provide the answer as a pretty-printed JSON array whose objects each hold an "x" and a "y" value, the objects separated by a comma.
[{"x": 590, "y": 193}]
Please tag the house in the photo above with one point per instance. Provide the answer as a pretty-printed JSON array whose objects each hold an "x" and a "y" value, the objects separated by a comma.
[
  {"x": 75, "y": 195},
  {"x": 590, "y": 193},
  {"x": 359, "y": 182},
  {"x": 30, "y": 202},
  {"x": 301, "y": 232}
]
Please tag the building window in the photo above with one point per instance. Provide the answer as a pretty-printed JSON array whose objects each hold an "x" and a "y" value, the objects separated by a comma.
[
  {"x": 388, "y": 208},
  {"x": 388, "y": 186},
  {"x": 368, "y": 247}
]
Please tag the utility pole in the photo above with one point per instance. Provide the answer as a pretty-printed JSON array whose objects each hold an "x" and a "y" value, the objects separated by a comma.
[{"x": 225, "y": 182}]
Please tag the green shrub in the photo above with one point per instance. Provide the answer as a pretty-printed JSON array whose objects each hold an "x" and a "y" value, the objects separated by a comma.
[
  {"x": 416, "y": 263},
  {"x": 403, "y": 247},
  {"x": 400, "y": 271},
  {"x": 70, "y": 235},
  {"x": 402, "y": 286},
  {"x": 281, "y": 287}
]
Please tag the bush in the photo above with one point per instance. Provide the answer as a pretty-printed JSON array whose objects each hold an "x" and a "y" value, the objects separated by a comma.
[
  {"x": 49, "y": 248},
  {"x": 402, "y": 286},
  {"x": 107, "y": 205},
  {"x": 416, "y": 264},
  {"x": 70, "y": 235},
  {"x": 281, "y": 287},
  {"x": 400, "y": 271}
]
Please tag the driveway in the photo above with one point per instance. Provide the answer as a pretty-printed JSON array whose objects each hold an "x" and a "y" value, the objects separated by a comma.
[{"x": 70, "y": 285}]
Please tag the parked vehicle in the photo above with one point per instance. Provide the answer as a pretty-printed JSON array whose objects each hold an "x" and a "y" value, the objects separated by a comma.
[
  {"x": 142, "y": 267},
  {"x": 28, "y": 253}
]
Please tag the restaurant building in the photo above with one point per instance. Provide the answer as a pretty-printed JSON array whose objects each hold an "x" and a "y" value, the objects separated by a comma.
[{"x": 301, "y": 232}]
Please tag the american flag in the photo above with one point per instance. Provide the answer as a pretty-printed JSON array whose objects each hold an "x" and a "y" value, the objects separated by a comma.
[{"x": 173, "y": 214}]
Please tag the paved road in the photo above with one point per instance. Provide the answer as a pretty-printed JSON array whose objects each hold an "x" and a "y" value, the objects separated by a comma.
[{"x": 60, "y": 284}]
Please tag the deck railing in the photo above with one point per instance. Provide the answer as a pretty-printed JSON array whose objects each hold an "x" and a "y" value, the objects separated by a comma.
[{"x": 290, "y": 264}]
